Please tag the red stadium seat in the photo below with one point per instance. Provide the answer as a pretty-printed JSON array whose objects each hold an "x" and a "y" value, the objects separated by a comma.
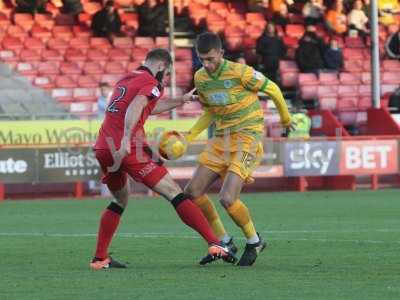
[
  {"x": 74, "y": 55},
  {"x": 49, "y": 68},
  {"x": 8, "y": 56},
  {"x": 328, "y": 79},
  {"x": 12, "y": 43},
  {"x": 17, "y": 31},
  {"x": 348, "y": 91},
  {"x": 308, "y": 92},
  {"x": 41, "y": 33},
  {"x": 354, "y": 42},
  {"x": 96, "y": 55},
  {"x": 354, "y": 65},
  {"x": 144, "y": 42},
  {"x": 139, "y": 54},
  {"x": 388, "y": 88},
  {"x": 350, "y": 78},
  {"x": 391, "y": 65},
  {"x": 100, "y": 43},
  {"x": 71, "y": 68},
  {"x": 58, "y": 43},
  {"x": 162, "y": 42},
  {"x": 183, "y": 54},
  {"x": 289, "y": 79},
  {"x": 81, "y": 42},
  {"x": 290, "y": 41},
  {"x": 347, "y": 103},
  {"x": 391, "y": 77},
  {"x": 120, "y": 54},
  {"x": 63, "y": 81},
  {"x": 364, "y": 90},
  {"x": 82, "y": 107},
  {"x": 366, "y": 77},
  {"x": 85, "y": 94},
  {"x": 253, "y": 31},
  {"x": 88, "y": 81},
  {"x": 26, "y": 68},
  {"x": 62, "y": 32},
  {"x": 350, "y": 53},
  {"x": 288, "y": 65},
  {"x": 307, "y": 79},
  {"x": 43, "y": 82},
  {"x": 123, "y": 42},
  {"x": 25, "y": 21},
  {"x": 82, "y": 31},
  {"x": 52, "y": 55},
  {"x": 30, "y": 55},
  {"x": 364, "y": 103},
  {"x": 328, "y": 103},
  {"x": 44, "y": 20},
  {"x": 93, "y": 68},
  {"x": 63, "y": 95},
  {"x": 295, "y": 30},
  {"x": 327, "y": 91},
  {"x": 114, "y": 67}
]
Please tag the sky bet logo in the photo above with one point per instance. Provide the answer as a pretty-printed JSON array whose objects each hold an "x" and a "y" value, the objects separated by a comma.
[{"x": 311, "y": 158}]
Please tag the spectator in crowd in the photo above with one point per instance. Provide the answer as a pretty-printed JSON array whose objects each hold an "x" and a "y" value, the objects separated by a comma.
[
  {"x": 392, "y": 45},
  {"x": 30, "y": 6},
  {"x": 313, "y": 12},
  {"x": 336, "y": 20},
  {"x": 333, "y": 56},
  {"x": 270, "y": 49},
  {"x": 102, "y": 101},
  {"x": 106, "y": 22},
  {"x": 73, "y": 7},
  {"x": 358, "y": 20},
  {"x": 153, "y": 17},
  {"x": 387, "y": 10},
  {"x": 281, "y": 17},
  {"x": 309, "y": 54}
]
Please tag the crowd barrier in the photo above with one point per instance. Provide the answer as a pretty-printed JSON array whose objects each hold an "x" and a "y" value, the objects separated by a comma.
[{"x": 334, "y": 162}]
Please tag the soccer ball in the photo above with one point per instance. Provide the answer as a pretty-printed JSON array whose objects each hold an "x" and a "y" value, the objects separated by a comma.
[{"x": 172, "y": 145}]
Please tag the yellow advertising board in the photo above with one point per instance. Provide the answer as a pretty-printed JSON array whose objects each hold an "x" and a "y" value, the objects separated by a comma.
[{"x": 74, "y": 131}]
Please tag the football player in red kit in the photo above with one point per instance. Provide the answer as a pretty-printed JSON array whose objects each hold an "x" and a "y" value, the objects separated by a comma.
[{"x": 122, "y": 150}]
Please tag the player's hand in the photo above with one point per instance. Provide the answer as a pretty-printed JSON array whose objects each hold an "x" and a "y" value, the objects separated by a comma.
[{"x": 188, "y": 97}]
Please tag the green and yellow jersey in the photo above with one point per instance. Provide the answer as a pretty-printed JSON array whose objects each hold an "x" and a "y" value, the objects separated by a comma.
[{"x": 229, "y": 97}]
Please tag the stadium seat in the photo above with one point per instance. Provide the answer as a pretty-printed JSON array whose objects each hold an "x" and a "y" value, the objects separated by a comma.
[
  {"x": 64, "y": 81},
  {"x": 114, "y": 67},
  {"x": 58, "y": 44},
  {"x": 328, "y": 78},
  {"x": 349, "y": 78},
  {"x": 43, "y": 82},
  {"x": 327, "y": 91},
  {"x": 131, "y": 20},
  {"x": 290, "y": 42},
  {"x": 63, "y": 95},
  {"x": 119, "y": 54},
  {"x": 350, "y": 53},
  {"x": 100, "y": 43},
  {"x": 41, "y": 33},
  {"x": 183, "y": 54},
  {"x": 347, "y": 103},
  {"x": 354, "y": 42},
  {"x": 71, "y": 68},
  {"x": 62, "y": 32},
  {"x": 23, "y": 20},
  {"x": 256, "y": 18},
  {"x": 295, "y": 30},
  {"x": 391, "y": 77},
  {"x": 26, "y": 68},
  {"x": 96, "y": 55},
  {"x": 308, "y": 92},
  {"x": 391, "y": 65},
  {"x": 30, "y": 55},
  {"x": 8, "y": 56},
  {"x": 162, "y": 42},
  {"x": 364, "y": 103},
  {"x": 366, "y": 77},
  {"x": 354, "y": 65},
  {"x": 288, "y": 65},
  {"x": 17, "y": 31},
  {"x": 123, "y": 42},
  {"x": 74, "y": 55},
  {"x": 88, "y": 81},
  {"x": 44, "y": 20},
  {"x": 364, "y": 90},
  {"x": 253, "y": 31},
  {"x": 144, "y": 42},
  {"x": 307, "y": 79},
  {"x": 388, "y": 88},
  {"x": 348, "y": 91},
  {"x": 82, "y": 107},
  {"x": 133, "y": 65},
  {"x": 12, "y": 43},
  {"x": 328, "y": 103},
  {"x": 93, "y": 68},
  {"x": 81, "y": 31},
  {"x": 85, "y": 94},
  {"x": 289, "y": 79},
  {"x": 139, "y": 54},
  {"x": 81, "y": 42}
]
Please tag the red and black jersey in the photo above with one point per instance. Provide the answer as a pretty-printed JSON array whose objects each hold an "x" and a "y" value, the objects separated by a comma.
[{"x": 139, "y": 82}]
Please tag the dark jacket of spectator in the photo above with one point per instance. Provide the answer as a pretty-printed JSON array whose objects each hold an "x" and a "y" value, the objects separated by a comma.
[
  {"x": 73, "y": 7},
  {"x": 270, "y": 49},
  {"x": 309, "y": 54},
  {"x": 333, "y": 56},
  {"x": 106, "y": 21},
  {"x": 392, "y": 45},
  {"x": 153, "y": 18},
  {"x": 30, "y": 6}
]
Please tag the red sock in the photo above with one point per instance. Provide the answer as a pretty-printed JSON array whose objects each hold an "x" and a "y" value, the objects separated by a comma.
[
  {"x": 192, "y": 216},
  {"x": 108, "y": 225}
]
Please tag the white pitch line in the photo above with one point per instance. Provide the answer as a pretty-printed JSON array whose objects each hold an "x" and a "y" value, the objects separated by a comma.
[{"x": 171, "y": 235}]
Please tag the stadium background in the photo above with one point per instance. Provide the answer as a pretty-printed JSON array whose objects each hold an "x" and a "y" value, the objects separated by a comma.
[{"x": 51, "y": 69}]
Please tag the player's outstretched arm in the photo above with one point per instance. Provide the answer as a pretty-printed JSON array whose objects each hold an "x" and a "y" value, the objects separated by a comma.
[
  {"x": 202, "y": 123},
  {"x": 168, "y": 104},
  {"x": 273, "y": 90}
]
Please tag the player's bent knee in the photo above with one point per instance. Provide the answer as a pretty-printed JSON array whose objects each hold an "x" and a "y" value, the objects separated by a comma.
[
  {"x": 168, "y": 188},
  {"x": 192, "y": 191},
  {"x": 226, "y": 199}
]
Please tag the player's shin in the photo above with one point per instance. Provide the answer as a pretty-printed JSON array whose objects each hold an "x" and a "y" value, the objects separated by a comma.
[
  {"x": 108, "y": 225},
  {"x": 210, "y": 212},
  {"x": 192, "y": 216},
  {"x": 241, "y": 216}
]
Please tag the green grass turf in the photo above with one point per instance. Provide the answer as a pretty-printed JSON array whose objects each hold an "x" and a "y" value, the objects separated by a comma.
[{"x": 323, "y": 245}]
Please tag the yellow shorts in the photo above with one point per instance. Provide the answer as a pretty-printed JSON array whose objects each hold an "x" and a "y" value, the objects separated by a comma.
[{"x": 238, "y": 153}]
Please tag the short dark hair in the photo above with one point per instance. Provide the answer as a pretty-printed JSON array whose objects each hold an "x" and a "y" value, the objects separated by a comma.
[
  {"x": 207, "y": 41},
  {"x": 159, "y": 54}
]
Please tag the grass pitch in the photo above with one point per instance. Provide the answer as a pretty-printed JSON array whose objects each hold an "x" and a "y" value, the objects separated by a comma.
[{"x": 322, "y": 245}]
